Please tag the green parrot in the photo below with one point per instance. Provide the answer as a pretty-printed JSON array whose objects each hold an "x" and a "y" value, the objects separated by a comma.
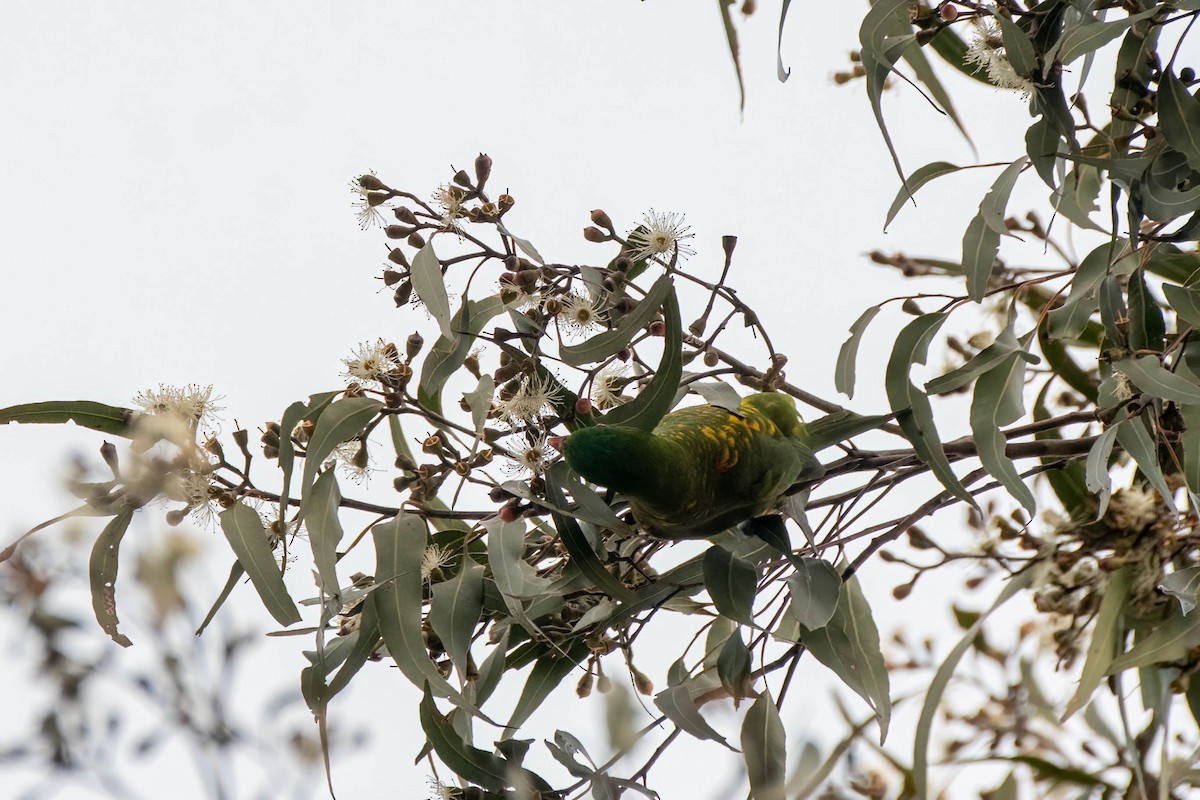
[{"x": 702, "y": 469}]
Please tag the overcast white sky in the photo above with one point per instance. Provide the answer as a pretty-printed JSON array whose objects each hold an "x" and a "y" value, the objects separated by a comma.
[{"x": 175, "y": 209}]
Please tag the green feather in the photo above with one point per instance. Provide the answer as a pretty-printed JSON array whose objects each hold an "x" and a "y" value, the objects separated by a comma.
[{"x": 702, "y": 469}]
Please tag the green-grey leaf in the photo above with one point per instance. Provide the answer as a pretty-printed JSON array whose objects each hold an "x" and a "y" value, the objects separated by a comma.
[
  {"x": 981, "y": 242},
  {"x": 1134, "y": 436},
  {"x": 849, "y": 645},
  {"x": 815, "y": 589},
  {"x": 1168, "y": 640},
  {"x": 102, "y": 574},
  {"x": 913, "y": 411},
  {"x": 343, "y": 420},
  {"x": 982, "y": 362},
  {"x": 1090, "y": 37},
  {"x": 470, "y": 763},
  {"x": 679, "y": 707},
  {"x": 844, "y": 371},
  {"x": 446, "y": 356},
  {"x": 580, "y": 549},
  {"x": 321, "y": 504},
  {"x": 1098, "y": 479},
  {"x": 1179, "y": 117},
  {"x": 455, "y": 609},
  {"x": 731, "y": 583},
  {"x": 919, "y": 178},
  {"x": 1191, "y": 446},
  {"x": 1186, "y": 303},
  {"x": 1149, "y": 375},
  {"x": 941, "y": 679},
  {"x": 85, "y": 413},
  {"x": 430, "y": 285},
  {"x": 399, "y": 545},
  {"x": 731, "y": 41},
  {"x": 717, "y": 393},
  {"x": 547, "y": 673},
  {"x": 655, "y": 400},
  {"x": 248, "y": 538},
  {"x": 1184, "y": 586},
  {"x": 764, "y": 748},
  {"x": 887, "y": 18},
  {"x": 1076, "y": 196},
  {"x": 999, "y": 400},
  {"x": 1018, "y": 49},
  {"x": 733, "y": 667},
  {"x": 1106, "y": 633},
  {"x": 1147, "y": 328},
  {"x": 235, "y": 574},
  {"x": 292, "y": 416}
]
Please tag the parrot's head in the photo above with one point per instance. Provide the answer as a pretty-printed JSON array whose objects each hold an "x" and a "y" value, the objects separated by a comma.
[{"x": 778, "y": 408}]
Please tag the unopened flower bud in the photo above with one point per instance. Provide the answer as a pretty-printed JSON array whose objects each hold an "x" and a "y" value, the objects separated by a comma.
[
  {"x": 949, "y": 13},
  {"x": 583, "y": 406},
  {"x": 397, "y": 231},
  {"x": 512, "y": 263},
  {"x": 177, "y": 516},
  {"x": 471, "y": 362},
  {"x": 640, "y": 682},
  {"x": 370, "y": 183},
  {"x": 483, "y": 168},
  {"x": 910, "y": 306},
  {"x": 623, "y": 355},
  {"x": 413, "y": 345},
  {"x": 403, "y": 294},
  {"x": 622, "y": 263},
  {"x": 508, "y": 512},
  {"x": 902, "y": 591},
  {"x": 657, "y": 328},
  {"x": 498, "y": 494},
  {"x": 415, "y": 240},
  {"x": 584, "y": 687},
  {"x": 602, "y": 219},
  {"x": 594, "y": 234},
  {"x": 108, "y": 451},
  {"x": 710, "y": 358},
  {"x": 1187, "y": 74}
]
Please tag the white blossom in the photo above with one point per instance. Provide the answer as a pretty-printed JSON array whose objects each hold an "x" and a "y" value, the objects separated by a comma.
[
  {"x": 534, "y": 395},
  {"x": 606, "y": 388},
  {"x": 987, "y": 53},
  {"x": 580, "y": 314},
  {"x": 664, "y": 234},
  {"x": 368, "y": 204},
  {"x": 531, "y": 457},
  {"x": 370, "y": 362},
  {"x": 192, "y": 404}
]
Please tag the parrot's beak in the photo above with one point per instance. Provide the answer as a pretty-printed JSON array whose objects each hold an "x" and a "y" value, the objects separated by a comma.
[{"x": 556, "y": 442}]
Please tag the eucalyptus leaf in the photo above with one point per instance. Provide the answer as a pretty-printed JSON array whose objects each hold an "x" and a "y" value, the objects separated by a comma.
[
  {"x": 655, "y": 400},
  {"x": 1184, "y": 586},
  {"x": 998, "y": 400},
  {"x": 399, "y": 546},
  {"x": 1185, "y": 301},
  {"x": 1090, "y": 37},
  {"x": 849, "y": 645},
  {"x": 340, "y": 422},
  {"x": 844, "y": 371},
  {"x": 913, "y": 411},
  {"x": 1134, "y": 435},
  {"x": 609, "y": 343},
  {"x": 320, "y": 507},
  {"x": 815, "y": 589},
  {"x": 1149, "y": 375},
  {"x": 547, "y": 673},
  {"x": 886, "y": 19},
  {"x": 916, "y": 180},
  {"x": 734, "y": 667},
  {"x": 731, "y": 582},
  {"x": 455, "y": 610},
  {"x": 430, "y": 285},
  {"x": 1167, "y": 641},
  {"x": 102, "y": 574},
  {"x": 1106, "y": 638},
  {"x": 1098, "y": 478},
  {"x": 84, "y": 413},
  {"x": 764, "y": 749},
  {"x": 246, "y": 535},
  {"x": 679, "y": 707}
]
